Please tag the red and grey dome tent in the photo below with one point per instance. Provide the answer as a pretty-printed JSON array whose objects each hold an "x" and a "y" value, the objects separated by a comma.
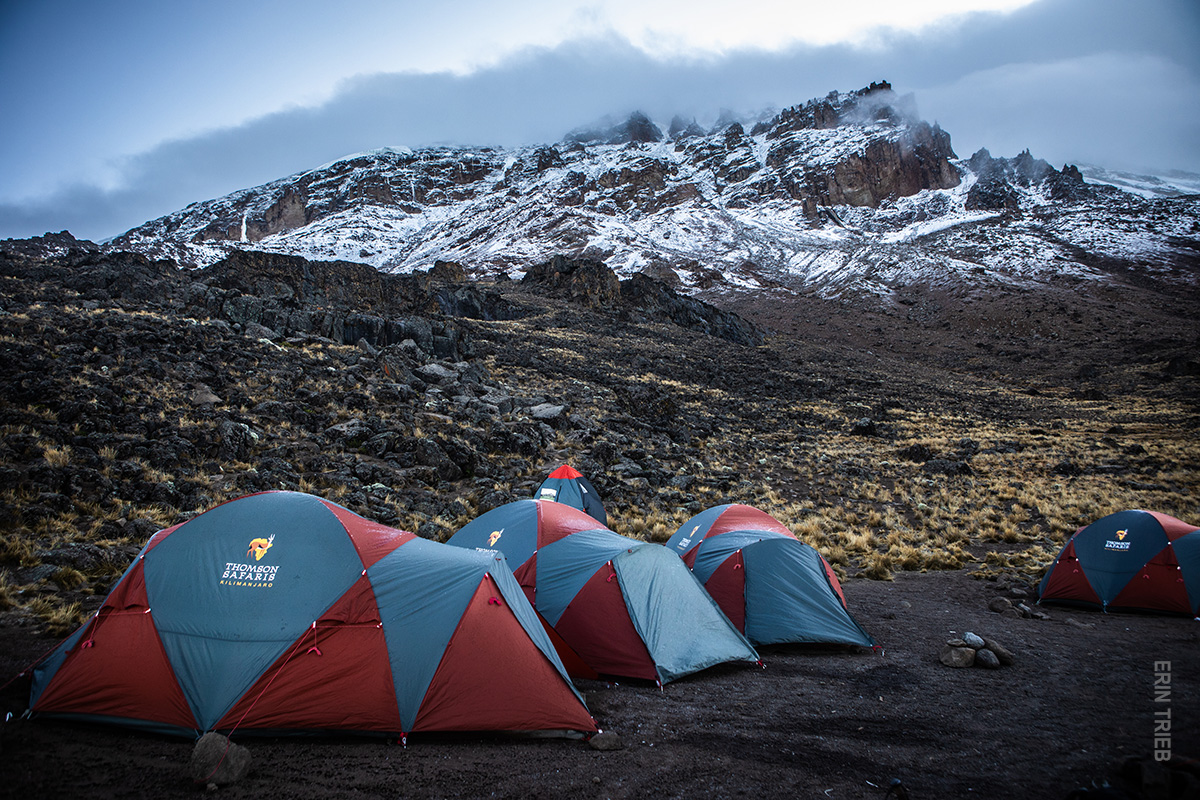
[
  {"x": 567, "y": 485},
  {"x": 1130, "y": 560},
  {"x": 284, "y": 612},
  {"x": 628, "y": 608},
  {"x": 774, "y": 587}
]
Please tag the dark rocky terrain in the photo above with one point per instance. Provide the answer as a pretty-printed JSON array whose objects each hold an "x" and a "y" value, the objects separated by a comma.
[{"x": 957, "y": 435}]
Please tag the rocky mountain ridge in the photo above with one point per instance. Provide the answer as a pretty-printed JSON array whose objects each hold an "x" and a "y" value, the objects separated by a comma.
[{"x": 849, "y": 196}]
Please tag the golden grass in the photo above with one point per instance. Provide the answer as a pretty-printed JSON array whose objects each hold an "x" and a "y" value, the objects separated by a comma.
[
  {"x": 69, "y": 578},
  {"x": 8, "y": 592},
  {"x": 59, "y": 618},
  {"x": 652, "y": 525},
  {"x": 900, "y": 518},
  {"x": 57, "y": 456}
]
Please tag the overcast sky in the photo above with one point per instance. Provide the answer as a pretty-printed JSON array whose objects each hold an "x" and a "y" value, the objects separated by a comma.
[{"x": 118, "y": 112}]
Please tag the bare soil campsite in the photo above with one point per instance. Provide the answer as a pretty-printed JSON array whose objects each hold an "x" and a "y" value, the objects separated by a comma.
[{"x": 938, "y": 454}]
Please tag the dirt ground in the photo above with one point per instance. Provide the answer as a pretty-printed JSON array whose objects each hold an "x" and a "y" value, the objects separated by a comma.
[{"x": 1078, "y": 701}]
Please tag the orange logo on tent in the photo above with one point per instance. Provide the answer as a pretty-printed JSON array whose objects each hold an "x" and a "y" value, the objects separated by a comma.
[
  {"x": 1122, "y": 534},
  {"x": 495, "y": 537},
  {"x": 259, "y": 547}
]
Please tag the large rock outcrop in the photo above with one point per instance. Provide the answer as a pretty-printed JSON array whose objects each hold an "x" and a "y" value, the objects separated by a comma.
[{"x": 997, "y": 177}]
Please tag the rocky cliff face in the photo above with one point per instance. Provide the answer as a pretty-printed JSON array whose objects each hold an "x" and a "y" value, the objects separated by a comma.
[
  {"x": 907, "y": 157},
  {"x": 998, "y": 179}
]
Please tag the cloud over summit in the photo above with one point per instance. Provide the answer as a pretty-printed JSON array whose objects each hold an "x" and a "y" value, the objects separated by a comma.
[{"x": 1094, "y": 81}]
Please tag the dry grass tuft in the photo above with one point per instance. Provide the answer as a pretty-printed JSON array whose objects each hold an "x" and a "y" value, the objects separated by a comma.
[{"x": 58, "y": 617}]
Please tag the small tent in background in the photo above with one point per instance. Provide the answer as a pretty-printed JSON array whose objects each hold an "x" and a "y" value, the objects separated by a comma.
[
  {"x": 284, "y": 612},
  {"x": 567, "y": 485},
  {"x": 1131, "y": 560},
  {"x": 775, "y": 588},
  {"x": 627, "y": 607}
]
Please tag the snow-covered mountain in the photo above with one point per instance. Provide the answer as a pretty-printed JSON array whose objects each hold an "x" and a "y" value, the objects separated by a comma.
[
  {"x": 848, "y": 195},
  {"x": 1174, "y": 183}
]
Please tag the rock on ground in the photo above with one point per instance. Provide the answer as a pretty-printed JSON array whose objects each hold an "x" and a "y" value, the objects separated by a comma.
[{"x": 216, "y": 760}]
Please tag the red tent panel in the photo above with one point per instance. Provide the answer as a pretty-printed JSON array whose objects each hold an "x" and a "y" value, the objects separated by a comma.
[
  {"x": 356, "y": 606},
  {"x": 597, "y": 625},
  {"x": 102, "y": 678},
  {"x": 558, "y": 521},
  {"x": 526, "y": 576},
  {"x": 157, "y": 538},
  {"x": 338, "y": 671},
  {"x": 372, "y": 540},
  {"x": 99, "y": 677},
  {"x": 1159, "y": 585},
  {"x": 566, "y": 472},
  {"x": 740, "y": 517},
  {"x": 492, "y": 676},
  {"x": 727, "y": 586},
  {"x": 1067, "y": 581},
  {"x": 833, "y": 581},
  {"x": 131, "y": 592},
  {"x": 576, "y": 667},
  {"x": 1174, "y": 528}
]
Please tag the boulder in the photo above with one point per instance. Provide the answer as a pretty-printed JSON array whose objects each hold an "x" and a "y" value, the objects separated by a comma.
[
  {"x": 547, "y": 412},
  {"x": 447, "y": 272},
  {"x": 235, "y": 440},
  {"x": 972, "y": 640},
  {"x": 436, "y": 373},
  {"x": 218, "y": 761},
  {"x": 958, "y": 657},
  {"x": 351, "y": 434},
  {"x": 605, "y": 741},
  {"x": 204, "y": 396},
  {"x": 864, "y": 427},
  {"x": 1003, "y": 654},
  {"x": 999, "y": 604},
  {"x": 943, "y": 466},
  {"x": 644, "y": 293},
  {"x": 504, "y": 402},
  {"x": 587, "y": 282},
  {"x": 987, "y": 659},
  {"x": 915, "y": 452},
  {"x": 430, "y": 454},
  {"x": 663, "y": 273},
  {"x": 254, "y": 330}
]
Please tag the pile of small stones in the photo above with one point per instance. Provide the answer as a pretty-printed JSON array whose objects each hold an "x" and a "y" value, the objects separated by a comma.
[{"x": 972, "y": 650}]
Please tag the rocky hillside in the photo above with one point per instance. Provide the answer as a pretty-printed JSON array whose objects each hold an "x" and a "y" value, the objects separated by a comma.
[{"x": 137, "y": 394}]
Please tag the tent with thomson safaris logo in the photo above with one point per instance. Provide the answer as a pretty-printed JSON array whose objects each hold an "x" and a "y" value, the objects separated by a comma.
[
  {"x": 1130, "y": 560},
  {"x": 281, "y": 611}
]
